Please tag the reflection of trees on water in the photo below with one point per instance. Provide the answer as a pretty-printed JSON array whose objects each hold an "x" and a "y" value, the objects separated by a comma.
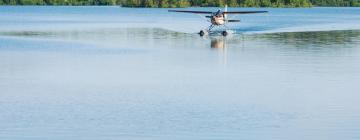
[
  {"x": 135, "y": 33},
  {"x": 314, "y": 38},
  {"x": 312, "y": 41}
]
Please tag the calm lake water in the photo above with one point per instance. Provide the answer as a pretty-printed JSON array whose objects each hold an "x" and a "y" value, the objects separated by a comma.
[{"x": 110, "y": 73}]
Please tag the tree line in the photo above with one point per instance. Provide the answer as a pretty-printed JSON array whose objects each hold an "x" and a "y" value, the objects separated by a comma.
[{"x": 188, "y": 3}]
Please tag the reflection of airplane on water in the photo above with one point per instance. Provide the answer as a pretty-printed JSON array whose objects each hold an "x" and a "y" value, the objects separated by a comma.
[
  {"x": 218, "y": 43},
  {"x": 218, "y": 18}
]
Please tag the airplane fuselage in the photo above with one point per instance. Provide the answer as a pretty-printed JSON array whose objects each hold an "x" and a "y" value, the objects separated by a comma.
[{"x": 218, "y": 19}]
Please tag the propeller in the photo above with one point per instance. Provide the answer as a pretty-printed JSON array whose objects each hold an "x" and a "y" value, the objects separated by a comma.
[{"x": 217, "y": 13}]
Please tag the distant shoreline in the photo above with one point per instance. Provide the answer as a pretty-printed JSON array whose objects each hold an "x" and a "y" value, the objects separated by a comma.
[
  {"x": 178, "y": 7},
  {"x": 188, "y": 3},
  {"x": 313, "y": 6}
]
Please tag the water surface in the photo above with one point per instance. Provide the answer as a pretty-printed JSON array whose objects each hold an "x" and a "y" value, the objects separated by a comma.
[{"x": 115, "y": 73}]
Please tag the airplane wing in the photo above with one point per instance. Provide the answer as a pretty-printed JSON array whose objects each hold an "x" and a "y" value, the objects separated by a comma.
[
  {"x": 233, "y": 20},
  {"x": 195, "y": 12},
  {"x": 245, "y": 12}
]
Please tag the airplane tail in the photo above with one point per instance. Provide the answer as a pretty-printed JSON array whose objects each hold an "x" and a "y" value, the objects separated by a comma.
[{"x": 225, "y": 10}]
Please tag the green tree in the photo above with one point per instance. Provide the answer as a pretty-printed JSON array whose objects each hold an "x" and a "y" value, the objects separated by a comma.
[
  {"x": 265, "y": 3},
  {"x": 31, "y": 2},
  {"x": 250, "y": 3},
  {"x": 10, "y": 2},
  {"x": 232, "y": 3},
  {"x": 183, "y": 3},
  {"x": 164, "y": 3}
]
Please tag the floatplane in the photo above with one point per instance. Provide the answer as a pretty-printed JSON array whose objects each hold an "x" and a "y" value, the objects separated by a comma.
[{"x": 218, "y": 18}]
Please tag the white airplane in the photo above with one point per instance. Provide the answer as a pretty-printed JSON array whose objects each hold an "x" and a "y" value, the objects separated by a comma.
[{"x": 218, "y": 18}]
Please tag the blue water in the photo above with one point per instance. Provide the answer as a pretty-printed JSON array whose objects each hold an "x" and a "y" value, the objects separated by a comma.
[
  {"x": 277, "y": 20},
  {"x": 122, "y": 73}
]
